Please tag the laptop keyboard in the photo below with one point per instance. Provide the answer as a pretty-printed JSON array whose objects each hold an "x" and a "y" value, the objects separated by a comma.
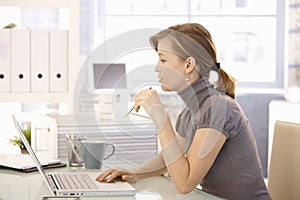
[{"x": 75, "y": 181}]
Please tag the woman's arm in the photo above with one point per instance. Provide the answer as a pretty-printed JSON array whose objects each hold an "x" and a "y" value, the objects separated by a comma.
[
  {"x": 154, "y": 166},
  {"x": 187, "y": 171}
]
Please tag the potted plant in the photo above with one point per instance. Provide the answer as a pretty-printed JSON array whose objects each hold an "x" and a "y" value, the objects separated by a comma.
[{"x": 18, "y": 142}]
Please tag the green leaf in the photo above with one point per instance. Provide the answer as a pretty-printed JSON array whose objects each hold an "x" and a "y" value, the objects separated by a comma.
[
  {"x": 16, "y": 141},
  {"x": 10, "y": 26}
]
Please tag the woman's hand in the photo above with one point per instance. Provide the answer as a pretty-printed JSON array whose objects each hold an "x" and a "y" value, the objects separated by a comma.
[
  {"x": 111, "y": 175},
  {"x": 150, "y": 101},
  {"x": 146, "y": 98}
]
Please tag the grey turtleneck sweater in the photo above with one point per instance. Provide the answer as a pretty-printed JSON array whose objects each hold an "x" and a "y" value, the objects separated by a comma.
[{"x": 236, "y": 173}]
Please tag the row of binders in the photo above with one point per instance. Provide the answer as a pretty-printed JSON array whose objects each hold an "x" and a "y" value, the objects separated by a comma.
[{"x": 33, "y": 60}]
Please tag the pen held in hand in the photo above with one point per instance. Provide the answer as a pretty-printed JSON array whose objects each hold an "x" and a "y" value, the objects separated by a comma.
[{"x": 131, "y": 109}]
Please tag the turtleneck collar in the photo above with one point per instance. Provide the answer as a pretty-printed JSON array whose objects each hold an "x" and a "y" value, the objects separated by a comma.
[{"x": 195, "y": 94}]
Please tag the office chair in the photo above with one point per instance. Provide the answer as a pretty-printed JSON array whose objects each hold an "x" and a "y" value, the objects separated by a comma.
[{"x": 284, "y": 170}]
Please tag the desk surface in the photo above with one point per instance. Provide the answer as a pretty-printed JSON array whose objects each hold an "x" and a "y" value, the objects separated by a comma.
[{"x": 30, "y": 186}]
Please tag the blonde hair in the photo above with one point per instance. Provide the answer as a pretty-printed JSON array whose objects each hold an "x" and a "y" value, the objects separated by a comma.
[{"x": 193, "y": 40}]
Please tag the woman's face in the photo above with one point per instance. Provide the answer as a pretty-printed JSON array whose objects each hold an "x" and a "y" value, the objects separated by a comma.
[{"x": 170, "y": 69}]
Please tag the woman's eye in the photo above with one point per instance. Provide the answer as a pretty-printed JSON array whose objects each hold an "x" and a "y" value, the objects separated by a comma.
[{"x": 162, "y": 60}]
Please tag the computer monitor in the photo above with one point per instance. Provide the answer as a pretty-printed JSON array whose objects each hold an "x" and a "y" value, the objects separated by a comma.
[
  {"x": 109, "y": 76},
  {"x": 110, "y": 88}
]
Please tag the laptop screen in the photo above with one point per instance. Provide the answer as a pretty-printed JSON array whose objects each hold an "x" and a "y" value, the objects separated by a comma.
[{"x": 31, "y": 152}]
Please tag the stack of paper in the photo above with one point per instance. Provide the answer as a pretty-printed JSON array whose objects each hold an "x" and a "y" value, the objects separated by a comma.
[{"x": 24, "y": 163}]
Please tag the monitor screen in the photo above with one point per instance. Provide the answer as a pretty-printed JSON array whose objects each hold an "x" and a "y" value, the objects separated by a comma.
[{"x": 109, "y": 75}]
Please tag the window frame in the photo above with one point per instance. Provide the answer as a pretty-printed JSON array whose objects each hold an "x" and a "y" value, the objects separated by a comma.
[{"x": 281, "y": 41}]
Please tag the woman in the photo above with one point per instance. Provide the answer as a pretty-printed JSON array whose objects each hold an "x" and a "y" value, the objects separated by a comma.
[{"x": 213, "y": 144}]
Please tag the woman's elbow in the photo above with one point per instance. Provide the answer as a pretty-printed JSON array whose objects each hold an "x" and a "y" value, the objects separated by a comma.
[{"x": 184, "y": 189}]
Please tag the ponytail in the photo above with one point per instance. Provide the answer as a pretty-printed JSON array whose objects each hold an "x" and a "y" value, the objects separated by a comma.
[{"x": 226, "y": 83}]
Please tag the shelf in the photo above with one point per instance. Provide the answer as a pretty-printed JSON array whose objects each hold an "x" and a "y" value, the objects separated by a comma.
[
  {"x": 73, "y": 51},
  {"x": 38, "y": 3},
  {"x": 35, "y": 97}
]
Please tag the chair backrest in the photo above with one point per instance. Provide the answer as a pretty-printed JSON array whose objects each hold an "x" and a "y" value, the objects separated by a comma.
[{"x": 284, "y": 170}]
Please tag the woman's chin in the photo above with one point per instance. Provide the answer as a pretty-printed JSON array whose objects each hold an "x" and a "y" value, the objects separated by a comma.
[{"x": 164, "y": 88}]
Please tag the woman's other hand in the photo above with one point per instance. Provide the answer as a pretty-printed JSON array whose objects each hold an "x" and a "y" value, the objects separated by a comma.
[{"x": 112, "y": 175}]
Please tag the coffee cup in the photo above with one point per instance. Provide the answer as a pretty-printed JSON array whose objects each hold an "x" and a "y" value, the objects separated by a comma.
[{"x": 94, "y": 152}]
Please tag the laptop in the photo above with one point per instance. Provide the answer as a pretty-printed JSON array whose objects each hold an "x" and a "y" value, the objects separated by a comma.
[{"x": 77, "y": 183}]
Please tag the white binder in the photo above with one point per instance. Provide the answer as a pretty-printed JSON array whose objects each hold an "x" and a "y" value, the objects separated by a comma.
[
  {"x": 58, "y": 60},
  {"x": 39, "y": 60},
  {"x": 5, "y": 74},
  {"x": 20, "y": 60}
]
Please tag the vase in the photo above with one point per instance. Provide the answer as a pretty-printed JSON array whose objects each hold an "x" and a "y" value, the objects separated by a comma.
[{"x": 24, "y": 151}]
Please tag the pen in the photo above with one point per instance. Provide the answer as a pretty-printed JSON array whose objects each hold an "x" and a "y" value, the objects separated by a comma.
[{"x": 131, "y": 109}]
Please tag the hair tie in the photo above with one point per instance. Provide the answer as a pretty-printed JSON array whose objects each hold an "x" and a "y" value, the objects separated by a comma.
[{"x": 216, "y": 67}]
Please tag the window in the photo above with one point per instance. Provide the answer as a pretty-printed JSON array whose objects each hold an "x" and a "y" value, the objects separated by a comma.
[{"x": 249, "y": 34}]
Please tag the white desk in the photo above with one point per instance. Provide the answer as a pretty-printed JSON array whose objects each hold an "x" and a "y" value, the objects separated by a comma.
[{"x": 30, "y": 186}]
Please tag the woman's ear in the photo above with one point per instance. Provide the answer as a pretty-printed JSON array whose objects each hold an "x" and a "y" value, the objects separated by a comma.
[{"x": 191, "y": 62}]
